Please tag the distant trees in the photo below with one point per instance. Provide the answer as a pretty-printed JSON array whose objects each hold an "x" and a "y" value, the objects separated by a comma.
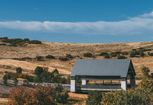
[
  {"x": 137, "y": 52},
  {"x": 42, "y": 75},
  {"x": 19, "y": 41}
]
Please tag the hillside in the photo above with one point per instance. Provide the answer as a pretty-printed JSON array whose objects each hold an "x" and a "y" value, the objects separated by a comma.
[{"x": 64, "y": 55}]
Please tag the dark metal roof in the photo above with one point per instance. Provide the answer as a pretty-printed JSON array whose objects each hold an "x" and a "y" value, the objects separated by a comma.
[{"x": 105, "y": 67}]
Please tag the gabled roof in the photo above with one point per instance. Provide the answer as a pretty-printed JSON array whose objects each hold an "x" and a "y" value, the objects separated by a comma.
[{"x": 105, "y": 67}]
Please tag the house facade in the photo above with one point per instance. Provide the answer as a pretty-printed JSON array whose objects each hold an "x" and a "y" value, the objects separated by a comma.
[{"x": 103, "y": 75}]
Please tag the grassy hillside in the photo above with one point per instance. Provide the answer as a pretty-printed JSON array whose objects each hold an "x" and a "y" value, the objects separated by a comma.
[{"x": 63, "y": 55}]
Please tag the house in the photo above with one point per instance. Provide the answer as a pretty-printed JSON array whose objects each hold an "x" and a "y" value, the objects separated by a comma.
[{"x": 103, "y": 75}]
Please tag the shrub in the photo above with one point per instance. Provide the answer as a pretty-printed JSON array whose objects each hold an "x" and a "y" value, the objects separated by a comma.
[
  {"x": 63, "y": 58},
  {"x": 69, "y": 56},
  {"x": 50, "y": 57},
  {"x": 60, "y": 95},
  {"x": 6, "y": 77},
  {"x": 133, "y": 53},
  {"x": 39, "y": 58},
  {"x": 145, "y": 72},
  {"x": 150, "y": 54},
  {"x": 141, "y": 52},
  {"x": 35, "y": 42},
  {"x": 113, "y": 54},
  {"x": 103, "y": 54},
  {"x": 88, "y": 54},
  {"x": 26, "y": 40},
  {"x": 18, "y": 70},
  {"x": 107, "y": 56},
  {"x": 136, "y": 97},
  {"x": 121, "y": 57},
  {"x": 94, "y": 98},
  {"x": 42, "y": 74},
  {"x": 30, "y": 96}
]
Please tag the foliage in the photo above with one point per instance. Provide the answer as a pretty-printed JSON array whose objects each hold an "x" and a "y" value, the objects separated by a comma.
[
  {"x": 145, "y": 72},
  {"x": 39, "y": 58},
  {"x": 19, "y": 71},
  {"x": 133, "y": 53},
  {"x": 42, "y": 75},
  {"x": 50, "y": 57},
  {"x": 30, "y": 96},
  {"x": 6, "y": 77},
  {"x": 141, "y": 52},
  {"x": 38, "y": 96},
  {"x": 88, "y": 54},
  {"x": 94, "y": 98},
  {"x": 137, "y": 52},
  {"x": 60, "y": 95},
  {"x": 134, "y": 97},
  {"x": 103, "y": 54},
  {"x": 35, "y": 42},
  {"x": 121, "y": 57},
  {"x": 63, "y": 58},
  {"x": 19, "y": 41}
]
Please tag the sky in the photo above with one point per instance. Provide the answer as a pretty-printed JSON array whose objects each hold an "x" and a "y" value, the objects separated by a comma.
[{"x": 78, "y": 21}]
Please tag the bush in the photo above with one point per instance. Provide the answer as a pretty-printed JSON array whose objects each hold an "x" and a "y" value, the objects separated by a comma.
[
  {"x": 145, "y": 72},
  {"x": 35, "y": 42},
  {"x": 103, "y": 54},
  {"x": 94, "y": 98},
  {"x": 88, "y": 54},
  {"x": 30, "y": 96},
  {"x": 63, "y": 58},
  {"x": 150, "y": 54},
  {"x": 60, "y": 95},
  {"x": 107, "y": 56},
  {"x": 113, "y": 54},
  {"x": 141, "y": 52},
  {"x": 121, "y": 57},
  {"x": 18, "y": 70},
  {"x": 133, "y": 53},
  {"x": 39, "y": 58},
  {"x": 50, "y": 57},
  {"x": 69, "y": 56},
  {"x": 135, "y": 97}
]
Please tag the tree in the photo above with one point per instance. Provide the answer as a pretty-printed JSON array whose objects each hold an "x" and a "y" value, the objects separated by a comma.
[
  {"x": 145, "y": 72},
  {"x": 42, "y": 74},
  {"x": 94, "y": 98},
  {"x": 55, "y": 76},
  {"x": 133, "y": 53},
  {"x": 6, "y": 77},
  {"x": 18, "y": 70},
  {"x": 38, "y": 71},
  {"x": 141, "y": 52}
]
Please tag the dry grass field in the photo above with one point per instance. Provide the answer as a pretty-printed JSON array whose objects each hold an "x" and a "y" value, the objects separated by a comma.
[
  {"x": 8, "y": 53},
  {"x": 10, "y": 56}
]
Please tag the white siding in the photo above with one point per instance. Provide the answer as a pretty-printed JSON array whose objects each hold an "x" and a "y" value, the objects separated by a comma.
[
  {"x": 124, "y": 84},
  {"x": 72, "y": 89},
  {"x": 84, "y": 82}
]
